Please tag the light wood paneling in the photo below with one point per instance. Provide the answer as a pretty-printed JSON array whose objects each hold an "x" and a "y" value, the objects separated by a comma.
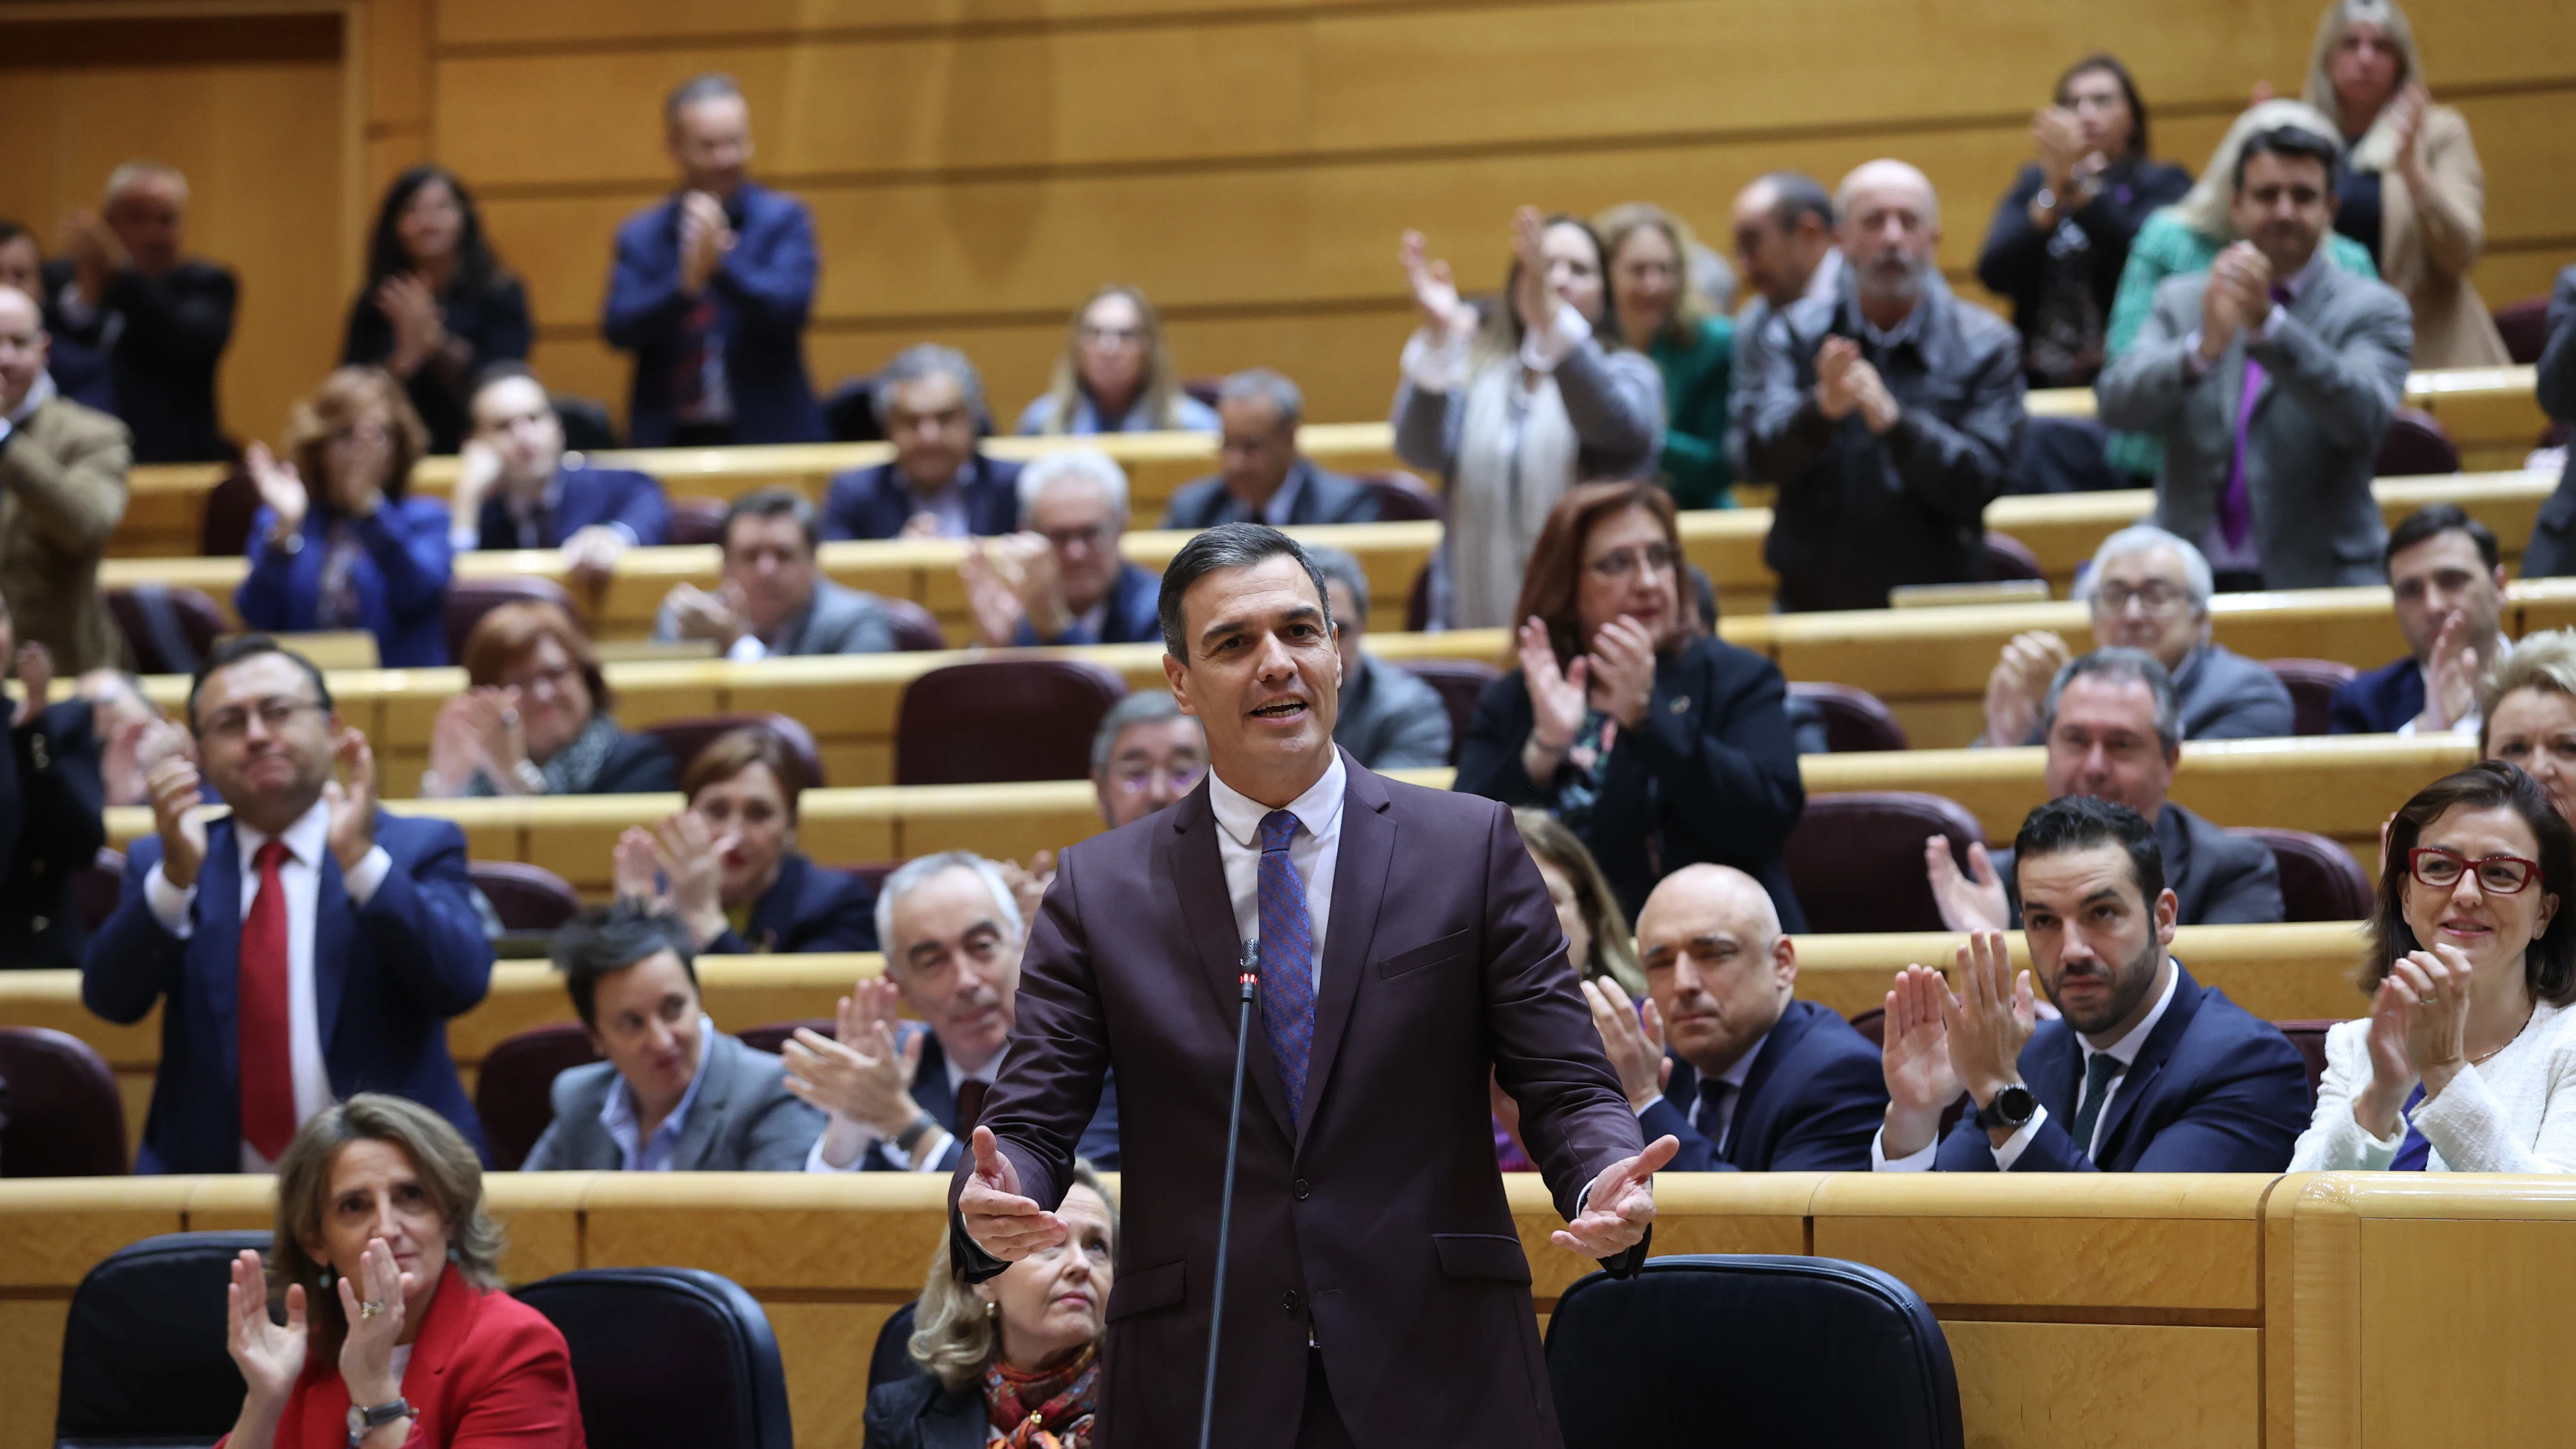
[{"x": 2029, "y": 1385}]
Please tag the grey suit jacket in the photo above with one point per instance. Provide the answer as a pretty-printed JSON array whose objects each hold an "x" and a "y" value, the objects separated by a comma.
[
  {"x": 1391, "y": 720},
  {"x": 742, "y": 1121},
  {"x": 839, "y": 621},
  {"x": 2334, "y": 372}
]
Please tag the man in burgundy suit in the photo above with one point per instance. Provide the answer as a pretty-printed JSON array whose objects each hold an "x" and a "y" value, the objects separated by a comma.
[{"x": 1377, "y": 1293}]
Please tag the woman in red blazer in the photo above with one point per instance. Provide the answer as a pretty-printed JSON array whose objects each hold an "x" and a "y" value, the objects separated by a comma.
[{"x": 407, "y": 1340}]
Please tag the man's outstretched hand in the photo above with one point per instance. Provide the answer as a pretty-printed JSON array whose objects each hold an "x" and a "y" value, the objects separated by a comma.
[
  {"x": 1011, "y": 1227},
  {"x": 1615, "y": 1215}
]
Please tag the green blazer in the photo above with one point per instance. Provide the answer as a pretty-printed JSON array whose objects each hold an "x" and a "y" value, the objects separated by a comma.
[{"x": 1695, "y": 373}]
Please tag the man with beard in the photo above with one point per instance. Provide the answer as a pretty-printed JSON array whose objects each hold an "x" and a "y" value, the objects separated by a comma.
[
  {"x": 2145, "y": 1070},
  {"x": 1887, "y": 413}
]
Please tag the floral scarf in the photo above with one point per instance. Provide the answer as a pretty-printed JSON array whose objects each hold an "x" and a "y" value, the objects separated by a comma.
[
  {"x": 575, "y": 768},
  {"x": 1050, "y": 1410}
]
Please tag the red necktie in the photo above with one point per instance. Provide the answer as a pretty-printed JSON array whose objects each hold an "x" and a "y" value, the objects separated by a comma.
[
  {"x": 267, "y": 1050},
  {"x": 970, "y": 1106}
]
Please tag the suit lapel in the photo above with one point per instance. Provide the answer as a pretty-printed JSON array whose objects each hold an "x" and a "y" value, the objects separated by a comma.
[
  {"x": 715, "y": 1086},
  {"x": 333, "y": 924},
  {"x": 1359, "y": 884},
  {"x": 218, "y": 935},
  {"x": 1792, "y": 1028},
  {"x": 1189, "y": 852},
  {"x": 2140, "y": 1078},
  {"x": 930, "y": 1089},
  {"x": 2051, "y": 1066}
]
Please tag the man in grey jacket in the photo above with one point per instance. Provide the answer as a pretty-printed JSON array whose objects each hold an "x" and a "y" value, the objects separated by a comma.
[
  {"x": 774, "y": 599},
  {"x": 1390, "y": 719},
  {"x": 2271, "y": 379},
  {"x": 675, "y": 1095}
]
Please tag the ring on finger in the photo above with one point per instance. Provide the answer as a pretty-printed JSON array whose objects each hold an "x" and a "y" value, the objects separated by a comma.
[{"x": 370, "y": 1310}]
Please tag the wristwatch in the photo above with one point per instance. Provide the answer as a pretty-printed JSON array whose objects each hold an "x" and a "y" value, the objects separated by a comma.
[
  {"x": 2012, "y": 1107},
  {"x": 361, "y": 1421},
  {"x": 922, "y": 1125}
]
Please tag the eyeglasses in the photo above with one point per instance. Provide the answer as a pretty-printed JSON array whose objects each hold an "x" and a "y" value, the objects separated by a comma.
[
  {"x": 1091, "y": 535},
  {"x": 1137, "y": 779},
  {"x": 2498, "y": 875},
  {"x": 1618, "y": 563},
  {"x": 1112, "y": 336},
  {"x": 359, "y": 433},
  {"x": 2158, "y": 597},
  {"x": 273, "y": 715},
  {"x": 554, "y": 677}
]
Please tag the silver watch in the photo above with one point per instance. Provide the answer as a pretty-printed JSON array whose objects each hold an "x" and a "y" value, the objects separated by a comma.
[{"x": 364, "y": 1421}]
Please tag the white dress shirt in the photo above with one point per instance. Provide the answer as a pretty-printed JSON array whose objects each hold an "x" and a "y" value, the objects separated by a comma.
[
  {"x": 2124, "y": 1051},
  {"x": 1312, "y": 851},
  {"x": 308, "y": 840},
  {"x": 637, "y": 1152}
]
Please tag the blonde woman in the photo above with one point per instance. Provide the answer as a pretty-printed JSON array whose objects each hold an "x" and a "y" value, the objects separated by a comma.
[
  {"x": 1116, "y": 375},
  {"x": 2527, "y": 714},
  {"x": 1597, "y": 938},
  {"x": 1692, "y": 343}
]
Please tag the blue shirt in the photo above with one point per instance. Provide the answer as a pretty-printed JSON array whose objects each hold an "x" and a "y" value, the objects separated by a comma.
[{"x": 617, "y": 1114}]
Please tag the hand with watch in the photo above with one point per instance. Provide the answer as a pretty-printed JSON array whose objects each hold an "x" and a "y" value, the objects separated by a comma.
[{"x": 1938, "y": 1045}]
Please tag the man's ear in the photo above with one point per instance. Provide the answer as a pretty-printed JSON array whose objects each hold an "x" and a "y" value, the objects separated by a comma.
[
  {"x": 1177, "y": 674},
  {"x": 2168, "y": 912},
  {"x": 1784, "y": 961}
]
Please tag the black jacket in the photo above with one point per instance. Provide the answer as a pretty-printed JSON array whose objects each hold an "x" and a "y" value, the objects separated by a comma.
[
  {"x": 49, "y": 830},
  {"x": 1812, "y": 1102},
  {"x": 920, "y": 1413},
  {"x": 807, "y": 908},
  {"x": 1710, "y": 773},
  {"x": 163, "y": 337},
  {"x": 2019, "y": 262},
  {"x": 492, "y": 321}
]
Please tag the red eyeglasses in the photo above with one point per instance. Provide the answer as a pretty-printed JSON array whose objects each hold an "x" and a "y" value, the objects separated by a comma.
[{"x": 2498, "y": 875}]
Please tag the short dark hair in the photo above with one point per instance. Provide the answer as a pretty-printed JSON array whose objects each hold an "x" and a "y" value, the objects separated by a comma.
[
  {"x": 2080, "y": 822},
  {"x": 2116, "y": 663},
  {"x": 2109, "y": 64},
  {"x": 1795, "y": 194},
  {"x": 771, "y": 503},
  {"x": 251, "y": 646},
  {"x": 1227, "y": 546},
  {"x": 2549, "y": 965},
  {"x": 710, "y": 86},
  {"x": 2295, "y": 143},
  {"x": 2432, "y": 521},
  {"x": 493, "y": 374},
  {"x": 611, "y": 938},
  {"x": 12, "y": 229}
]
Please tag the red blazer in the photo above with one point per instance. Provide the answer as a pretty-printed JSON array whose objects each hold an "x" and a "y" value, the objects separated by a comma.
[{"x": 486, "y": 1371}]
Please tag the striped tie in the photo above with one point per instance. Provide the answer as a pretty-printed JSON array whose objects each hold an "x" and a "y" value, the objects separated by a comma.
[{"x": 1287, "y": 959}]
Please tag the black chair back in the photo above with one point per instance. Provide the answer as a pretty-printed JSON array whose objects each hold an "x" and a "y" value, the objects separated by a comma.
[
  {"x": 1750, "y": 1350},
  {"x": 1856, "y": 859},
  {"x": 527, "y": 898},
  {"x": 514, "y": 1092},
  {"x": 675, "y": 1357},
  {"x": 2312, "y": 683},
  {"x": 2414, "y": 445},
  {"x": 168, "y": 631},
  {"x": 773, "y": 1037},
  {"x": 65, "y": 1115},
  {"x": 1459, "y": 683},
  {"x": 2310, "y": 1038},
  {"x": 1401, "y": 497},
  {"x": 1853, "y": 719},
  {"x": 1008, "y": 719},
  {"x": 144, "y": 1362},
  {"x": 2320, "y": 881},
  {"x": 916, "y": 629},
  {"x": 697, "y": 521},
  {"x": 2007, "y": 558},
  {"x": 2524, "y": 326}
]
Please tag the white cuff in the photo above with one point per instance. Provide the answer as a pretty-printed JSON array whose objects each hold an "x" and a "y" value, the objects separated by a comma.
[
  {"x": 362, "y": 882},
  {"x": 463, "y": 540},
  {"x": 814, "y": 1156},
  {"x": 1433, "y": 366},
  {"x": 1921, "y": 1161},
  {"x": 2016, "y": 1144},
  {"x": 169, "y": 903},
  {"x": 747, "y": 650},
  {"x": 1543, "y": 349}
]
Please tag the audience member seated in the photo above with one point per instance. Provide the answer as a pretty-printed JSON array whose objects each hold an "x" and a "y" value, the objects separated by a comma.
[
  {"x": 726, "y": 868},
  {"x": 62, "y": 472},
  {"x": 131, "y": 734},
  {"x": 1515, "y": 406},
  {"x": 2143, "y": 1069},
  {"x": 1116, "y": 376},
  {"x": 437, "y": 308},
  {"x": 1756, "y": 1081},
  {"x": 337, "y": 936},
  {"x": 516, "y": 489},
  {"x": 712, "y": 289},
  {"x": 773, "y": 600},
  {"x": 2415, "y": 194},
  {"x": 389, "y": 1263},
  {"x": 1657, "y": 743},
  {"x": 1261, "y": 477},
  {"x": 1887, "y": 414},
  {"x": 2461, "y": 1063},
  {"x": 1692, "y": 343},
  {"x": 2113, "y": 727},
  {"x": 162, "y": 318},
  {"x": 1597, "y": 938},
  {"x": 2449, "y": 581},
  {"x": 930, "y": 402},
  {"x": 2277, "y": 497},
  {"x": 2551, "y": 550},
  {"x": 902, "y": 1098},
  {"x": 49, "y": 814},
  {"x": 1147, "y": 754},
  {"x": 535, "y": 718},
  {"x": 1388, "y": 719},
  {"x": 1783, "y": 225},
  {"x": 2147, "y": 589},
  {"x": 2527, "y": 714},
  {"x": 362, "y": 554},
  {"x": 2062, "y": 233},
  {"x": 1061, "y": 579},
  {"x": 2184, "y": 238},
  {"x": 1013, "y": 1360},
  {"x": 77, "y": 369},
  {"x": 674, "y": 1094}
]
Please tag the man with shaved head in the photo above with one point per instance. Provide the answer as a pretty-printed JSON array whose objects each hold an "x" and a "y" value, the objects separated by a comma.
[
  {"x": 1886, "y": 414},
  {"x": 1756, "y": 1080}
]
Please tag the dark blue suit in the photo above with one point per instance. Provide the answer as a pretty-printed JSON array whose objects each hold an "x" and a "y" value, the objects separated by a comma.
[
  {"x": 1132, "y": 616},
  {"x": 386, "y": 978},
  {"x": 931, "y": 1093},
  {"x": 2213, "y": 1090},
  {"x": 875, "y": 503},
  {"x": 1321, "y": 497},
  {"x": 1814, "y": 1099},
  {"x": 401, "y": 581},
  {"x": 584, "y": 496},
  {"x": 2377, "y": 703},
  {"x": 762, "y": 291},
  {"x": 807, "y": 908}
]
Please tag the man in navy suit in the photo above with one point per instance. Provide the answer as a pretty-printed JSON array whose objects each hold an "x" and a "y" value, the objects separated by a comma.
[
  {"x": 930, "y": 402},
  {"x": 1261, "y": 476},
  {"x": 2449, "y": 582},
  {"x": 513, "y": 489},
  {"x": 2145, "y": 1069},
  {"x": 712, "y": 288},
  {"x": 1062, "y": 580},
  {"x": 1757, "y": 1081},
  {"x": 901, "y": 1098},
  {"x": 307, "y": 948}
]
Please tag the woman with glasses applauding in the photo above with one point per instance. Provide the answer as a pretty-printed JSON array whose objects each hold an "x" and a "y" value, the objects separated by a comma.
[
  {"x": 2461, "y": 1063},
  {"x": 535, "y": 719},
  {"x": 1658, "y": 744},
  {"x": 727, "y": 867}
]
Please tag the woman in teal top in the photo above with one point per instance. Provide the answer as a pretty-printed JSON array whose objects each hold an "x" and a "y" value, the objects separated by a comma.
[
  {"x": 2184, "y": 239},
  {"x": 1664, "y": 316}
]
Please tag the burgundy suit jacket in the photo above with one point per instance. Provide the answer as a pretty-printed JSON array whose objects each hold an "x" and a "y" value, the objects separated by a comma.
[{"x": 1380, "y": 1216}]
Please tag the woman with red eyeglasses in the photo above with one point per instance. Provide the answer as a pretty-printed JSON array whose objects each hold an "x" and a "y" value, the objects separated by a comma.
[{"x": 2459, "y": 1066}]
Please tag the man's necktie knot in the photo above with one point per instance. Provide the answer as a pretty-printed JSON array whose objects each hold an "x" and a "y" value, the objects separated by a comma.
[{"x": 1277, "y": 829}]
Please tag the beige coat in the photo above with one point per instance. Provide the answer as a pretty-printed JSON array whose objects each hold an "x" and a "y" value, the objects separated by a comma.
[
  {"x": 62, "y": 490},
  {"x": 2428, "y": 243}
]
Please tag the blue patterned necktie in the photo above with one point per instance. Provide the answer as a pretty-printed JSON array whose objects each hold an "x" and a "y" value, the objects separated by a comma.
[{"x": 1287, "y": 959}]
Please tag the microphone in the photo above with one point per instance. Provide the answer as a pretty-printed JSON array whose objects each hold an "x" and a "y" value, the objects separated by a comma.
[{"x": 1225, "y": 1210}]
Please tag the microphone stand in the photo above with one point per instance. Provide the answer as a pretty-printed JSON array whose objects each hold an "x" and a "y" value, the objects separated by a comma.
[{"x": 1225, "y": 1211}]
